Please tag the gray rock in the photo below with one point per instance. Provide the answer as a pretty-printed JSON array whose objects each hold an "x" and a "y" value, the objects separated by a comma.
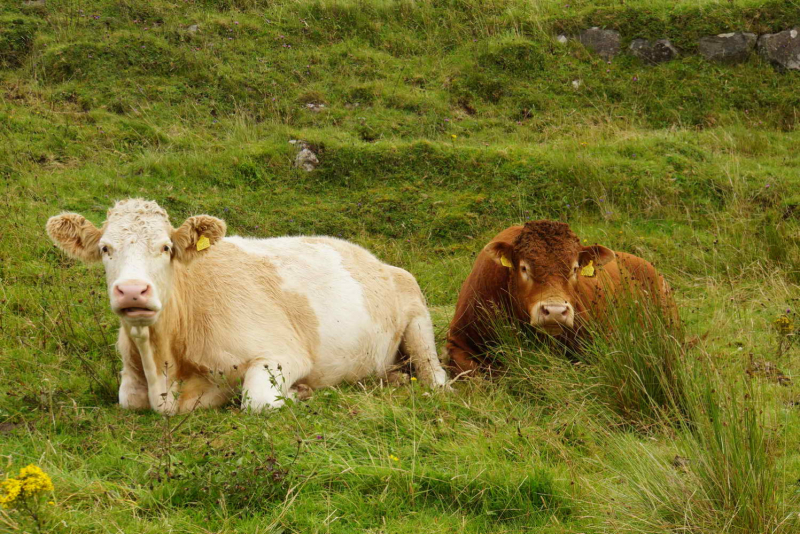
[
  {"x": 653, "y": 53},
  {"x": 604, "y": 43},
  {"x": 306, "y": 160},
  {"x": 727, "y": 47},
  {"x": 35, "y": 6},
  {"x": 562, "y": 39},
  {"x": 782, "y": 49},
  {"x": 193, "y": 28}
]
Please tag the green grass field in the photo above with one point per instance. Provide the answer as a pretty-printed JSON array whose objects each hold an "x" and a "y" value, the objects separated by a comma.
[{"x": 437, "y": 124}]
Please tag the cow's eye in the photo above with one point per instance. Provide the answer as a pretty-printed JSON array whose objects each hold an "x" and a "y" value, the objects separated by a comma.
[
  {"x": 104, "y": 250},
  {"x": 166, "y": 248},
  {"x": 524, "y": 269}
]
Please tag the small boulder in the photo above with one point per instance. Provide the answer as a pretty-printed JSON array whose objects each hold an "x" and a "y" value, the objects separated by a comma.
[
  {"x": 782, "y": 49},
  {"x": 653, "y": 53},
  {"x": 727, "y": 47},
  {"x": 193, "y": 28},
  {"x": 604, "y": 43},
  {"x": 306, "y": 160},
  {"x": 562, "y": 39}
]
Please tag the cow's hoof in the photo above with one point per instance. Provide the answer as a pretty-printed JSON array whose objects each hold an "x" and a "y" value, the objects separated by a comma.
[
  {"x": 302, "y": 392},
  {"x": 134, "y": 401},
  {"x": 436, "y": 380},
  {"x": 439, "y": 379},
  {"x": 398, "y": 378}
]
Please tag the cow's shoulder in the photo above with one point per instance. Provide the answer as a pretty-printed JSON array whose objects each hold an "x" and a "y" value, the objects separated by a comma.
[{"x": 639, "y": 268}]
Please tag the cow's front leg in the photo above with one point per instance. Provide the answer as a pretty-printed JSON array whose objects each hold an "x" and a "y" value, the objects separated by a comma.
[
  {"x": 162, "y": 388},
  {"x": 267, "y": 382},
  {"x": 133, "y": 384},
  {"x": 133, "y": 390}
]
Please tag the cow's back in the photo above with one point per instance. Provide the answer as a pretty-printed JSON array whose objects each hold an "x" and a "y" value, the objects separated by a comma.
[{"x": 628, "y": 276}]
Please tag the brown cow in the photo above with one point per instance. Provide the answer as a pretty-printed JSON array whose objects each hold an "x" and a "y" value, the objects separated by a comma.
[{"x": 540, "y": 274}]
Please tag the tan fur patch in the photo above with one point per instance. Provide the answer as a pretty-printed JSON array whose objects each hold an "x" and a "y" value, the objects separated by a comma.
[
  {"x": 215, "y": 306},
  {"x": 75, "y": 235}
]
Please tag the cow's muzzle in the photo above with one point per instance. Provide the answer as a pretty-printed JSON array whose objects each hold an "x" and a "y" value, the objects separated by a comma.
[
  {"x": 554, "y": 317},
  {"x": 132, "y": 299}
]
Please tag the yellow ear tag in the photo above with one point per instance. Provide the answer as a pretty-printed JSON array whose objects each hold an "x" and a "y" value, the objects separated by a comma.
[
  {"x": 505, "y": 262},
  {"x": 588, "y": 270},
  {"x": 203, "y": 243}
]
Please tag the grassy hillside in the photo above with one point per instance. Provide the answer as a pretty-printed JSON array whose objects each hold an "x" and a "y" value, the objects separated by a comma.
[{"x": 437, "y": 123}]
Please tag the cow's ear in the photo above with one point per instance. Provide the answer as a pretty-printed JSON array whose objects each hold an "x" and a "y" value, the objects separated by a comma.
[
  {"x": 76, "y": 236},
  {"x": 195, "y": 235},
  {"x": 501, "y": 252},
  {"x": 597, "y": 254}
]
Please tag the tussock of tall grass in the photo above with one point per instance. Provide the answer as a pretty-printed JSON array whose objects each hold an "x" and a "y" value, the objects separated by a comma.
[
  {"x": 712, "y": 463},
  {"x": 628, "y": 362},
  {"x": 635, "y": 354},
  {"x": 715, "y": 474},
  {"x": 530, "y": 364}
]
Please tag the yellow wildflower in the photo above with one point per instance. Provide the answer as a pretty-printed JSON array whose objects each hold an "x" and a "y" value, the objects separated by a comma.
[
  {"x": 34, "y": 480},
  {"x": 10, "y": 489},
  {"x": 413, "y": 378},
  {"x": 394, "y": 458},
  {"x": 454, "y": 136},
  {"x": 784, "y": 324}
]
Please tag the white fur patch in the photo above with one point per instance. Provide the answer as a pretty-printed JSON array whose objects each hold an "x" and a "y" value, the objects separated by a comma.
[{"x": 351, "y": 345}]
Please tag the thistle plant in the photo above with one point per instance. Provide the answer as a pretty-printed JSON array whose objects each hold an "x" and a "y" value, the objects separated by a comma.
[{"x": 785, "y": 326}]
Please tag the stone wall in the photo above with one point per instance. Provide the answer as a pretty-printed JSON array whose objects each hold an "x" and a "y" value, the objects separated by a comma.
[{"x": 781, "y": 49}]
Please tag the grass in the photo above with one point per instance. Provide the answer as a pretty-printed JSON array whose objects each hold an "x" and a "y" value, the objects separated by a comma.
[{"x": 443, "y": 122}]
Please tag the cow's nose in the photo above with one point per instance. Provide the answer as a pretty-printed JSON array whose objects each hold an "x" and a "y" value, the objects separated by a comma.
[
  {"x": 133, "y": 294},
  {"x": 555, "y": 312},
  {"x": 553, "y": 315}
]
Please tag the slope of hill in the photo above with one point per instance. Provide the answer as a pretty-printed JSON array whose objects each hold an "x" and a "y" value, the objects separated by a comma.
[{"x": 436, "y": 124}]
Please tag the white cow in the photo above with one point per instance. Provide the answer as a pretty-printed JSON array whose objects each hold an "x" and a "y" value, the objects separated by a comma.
[{"x": 195, "y": 306}]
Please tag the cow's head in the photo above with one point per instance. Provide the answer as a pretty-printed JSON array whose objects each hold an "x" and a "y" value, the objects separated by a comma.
[
  {"x": 137, "y": 245},
  {"x": 544, "y": 263}
]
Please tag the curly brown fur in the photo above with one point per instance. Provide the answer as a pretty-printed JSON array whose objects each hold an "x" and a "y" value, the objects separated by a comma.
[{"x": 546, "y": 243}]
